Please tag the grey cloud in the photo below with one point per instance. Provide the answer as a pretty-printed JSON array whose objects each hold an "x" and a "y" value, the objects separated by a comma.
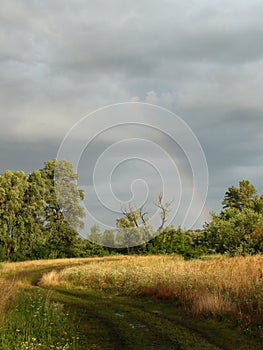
[
  {"x": 25, "y": 155},
  {"x": 203, "y": 60}
]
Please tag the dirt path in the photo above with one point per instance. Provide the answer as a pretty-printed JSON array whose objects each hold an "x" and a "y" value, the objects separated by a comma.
[{"x": 107, "y": 322}]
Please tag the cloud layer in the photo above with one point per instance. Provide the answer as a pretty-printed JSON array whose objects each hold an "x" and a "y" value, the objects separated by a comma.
[{"x": 203, "y": 60}]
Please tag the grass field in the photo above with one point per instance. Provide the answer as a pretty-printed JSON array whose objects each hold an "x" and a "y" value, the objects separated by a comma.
[
  {"x": 133, "y": 302},
  {"x": 224, "y": 286}
]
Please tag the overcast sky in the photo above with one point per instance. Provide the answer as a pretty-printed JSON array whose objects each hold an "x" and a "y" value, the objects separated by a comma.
[{"x": 200, "y": 59}]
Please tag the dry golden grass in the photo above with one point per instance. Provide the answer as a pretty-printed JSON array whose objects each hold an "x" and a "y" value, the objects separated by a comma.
[
  {"x": 51, "y": 278},
  {"x": 215, "y": 286},
  {"x": 8, "y": 292},
  {"x": 10, "y": 267}
]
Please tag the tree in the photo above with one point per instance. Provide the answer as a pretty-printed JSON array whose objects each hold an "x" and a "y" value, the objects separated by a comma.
[
  {"x": 34, "y": 221},
  {"x": 235, "y": 233},
  {"x": 130, "y": 218},
  {"x": 129, "y": 232},
  {"x": 63, "y": 211},
  {"x": 12, "y": 226},
  {"x": 240, "y": 198},
  {"x": 108, "y": 239},
  {"x": 165, "y": 210},
  {"x": 236, "y": 230},
  {"x": 258, "y": 204},
  {"x": 138, "y": 217},
  {"x": 94, "y": 235},
  {"x": 34, "y": 216},
  {"x": 63, "y": 195},
  {"x": 134, "y": 227},
  {"x": 22, "y": 213}
]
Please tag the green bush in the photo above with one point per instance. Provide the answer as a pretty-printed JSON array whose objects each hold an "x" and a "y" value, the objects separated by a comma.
[{"x": 235, "y": 232}]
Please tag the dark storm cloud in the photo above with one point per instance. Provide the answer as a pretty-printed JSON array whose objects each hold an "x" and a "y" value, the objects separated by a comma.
[{"x": 201, "y": 59}]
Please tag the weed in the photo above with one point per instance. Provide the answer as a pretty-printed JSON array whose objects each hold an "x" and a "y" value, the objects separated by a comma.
[{"x": 34, "y": 322}]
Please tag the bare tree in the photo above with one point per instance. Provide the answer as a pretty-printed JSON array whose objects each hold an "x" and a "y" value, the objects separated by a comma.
[
  {"x": 142, "y": 215},
  {"x": 132, "y": 214},
  {"x": 136, "y": 216},
  {"x": 165, "y": 210}
]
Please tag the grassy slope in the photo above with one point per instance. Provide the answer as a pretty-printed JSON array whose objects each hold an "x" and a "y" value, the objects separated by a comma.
[{"x": 107, "y": 321}]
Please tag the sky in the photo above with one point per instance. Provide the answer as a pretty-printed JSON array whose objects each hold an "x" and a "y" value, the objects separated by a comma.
[{"x": 63, "y": 62}]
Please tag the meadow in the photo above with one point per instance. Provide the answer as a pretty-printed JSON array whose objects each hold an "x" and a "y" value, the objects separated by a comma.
[
  {"x": 217, "y": 287},
  {"x": 132, "y": 302}
]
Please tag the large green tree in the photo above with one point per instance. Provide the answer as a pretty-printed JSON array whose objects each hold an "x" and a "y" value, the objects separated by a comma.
[
  {"x": 34, "y": 221},
  {"x": 240, "y": 198},
  {"x": 63, "y": 210},
  {"x": 13, "y": 186},
  {"x": 238, "y": 228}
]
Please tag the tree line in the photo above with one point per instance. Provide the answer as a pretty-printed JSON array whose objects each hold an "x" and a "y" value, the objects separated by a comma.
[
  {"x": 36, "y": 223},
  {"x": 236, "y": 230}
]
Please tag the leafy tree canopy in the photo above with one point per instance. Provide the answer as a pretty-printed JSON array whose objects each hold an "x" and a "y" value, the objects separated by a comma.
[
  {"x": 33, "y": 218},
  {"x": 240, "y": 198}
]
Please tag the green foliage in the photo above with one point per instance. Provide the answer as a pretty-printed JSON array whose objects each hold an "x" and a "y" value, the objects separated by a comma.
[
  {"x": 171, "y": 241},
  {"x": 130, "y": 220},
  {"x": 12, "y": 226},
  {"x": 2, "y": 253},
  {"x": 133, "y": 230},
  {"x": 63, "y": 212},
  {"x": 235, "y": 232},
  {"x": 34, "y": 223},
  {"x": 238, "y": 229},
  {"x": 240, "y": 198},
  {"x": 136, "y": 234},
  {"x": 108, "y": 238},
  {"x": 41, "y": 212},
  {"x": 95, "y": 235}
]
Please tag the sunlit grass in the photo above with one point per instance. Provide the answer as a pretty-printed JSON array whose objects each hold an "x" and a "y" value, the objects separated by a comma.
[
  {"x": 10, "y": 267},
  {"x": 221, "y": 286}
]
